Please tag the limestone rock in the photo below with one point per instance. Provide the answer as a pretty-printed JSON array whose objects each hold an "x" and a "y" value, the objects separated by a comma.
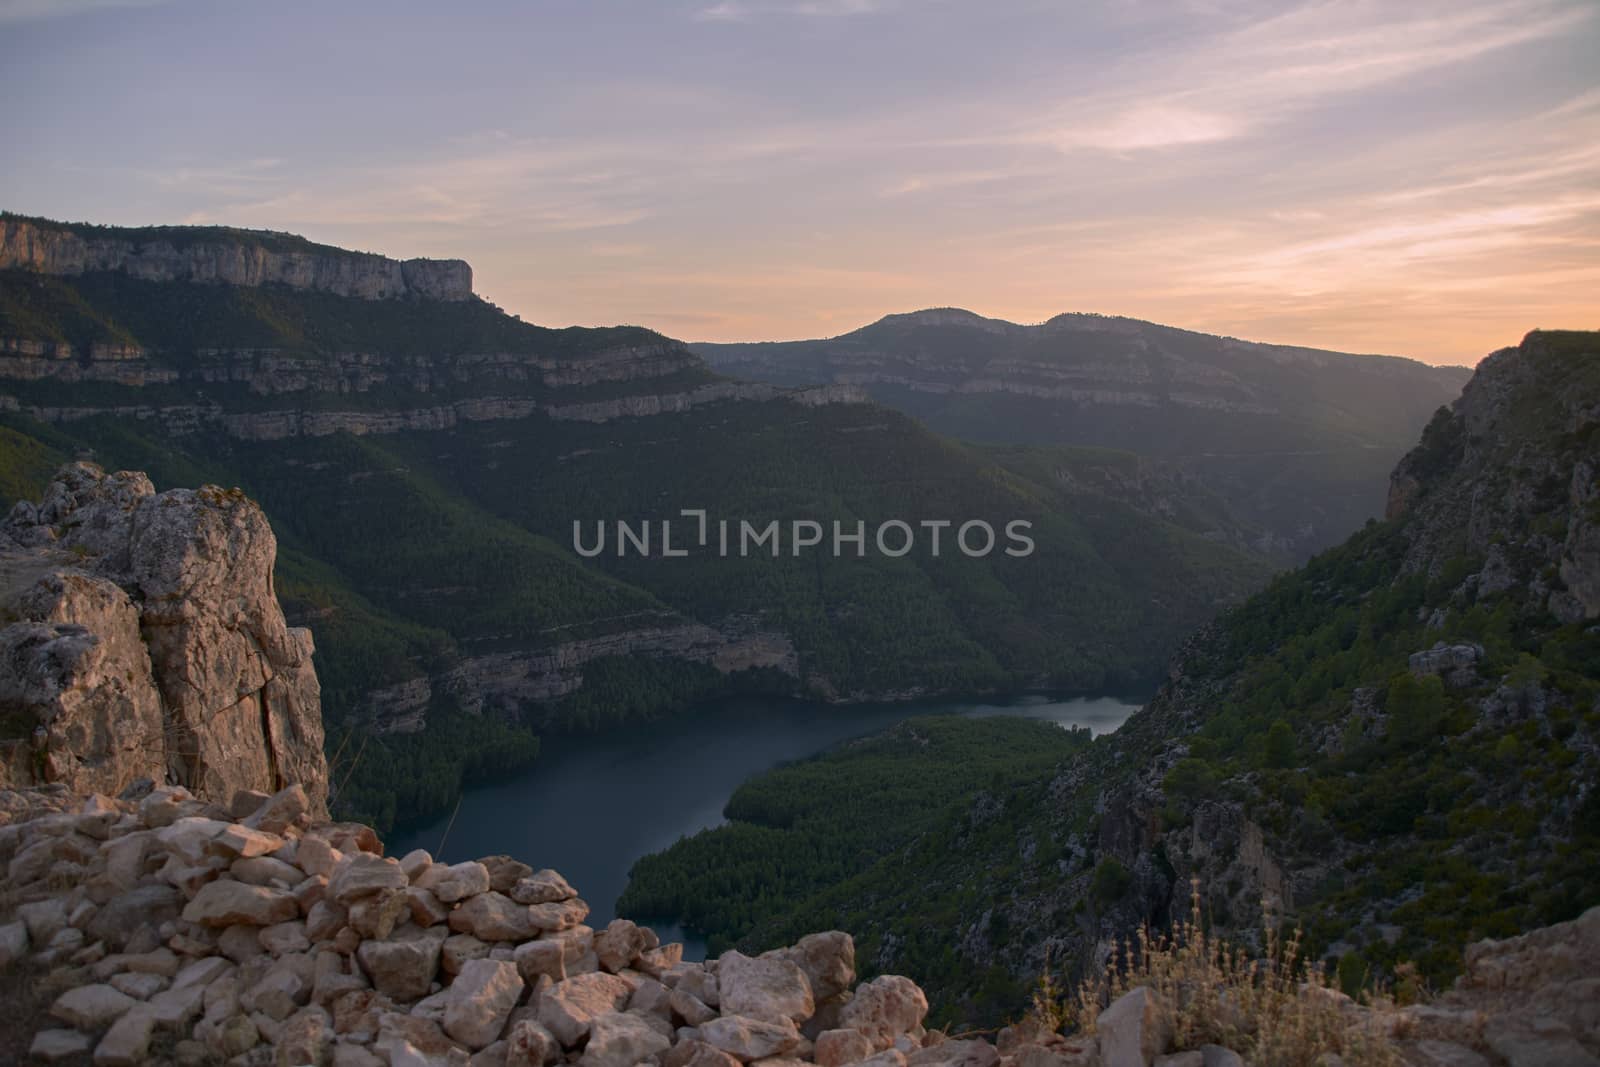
[
  {"x": 121, "y": 917},
  {"x": 1133, "y": 1030},
  {"x": 505, "y": 872},
  {"x": 224, "y": 903},
  {"x": 692, "y": 1052},
  {"x": 306, "y": 1039},
  {"x": 619, "y": 1040},
  {"x": 619, "y": 945},
  {"x": 91, "y": 1007},
  {"x": 885, "y": 1008},
  {"x": 402, "y": 968},
  {"x": 13, "y": 943},
  {"x": 567, "y": 1010},
  {"x": 691, "y": 1009},
  {"x": 492, "y": 917},
  {"x": 535, "y": 958},
  {"x": 531, "y": 1045},
  {"x": 828, "y": 960},
  {"x": 363, "y": 875},
  {"x": 127, "y": 1043},
  {"x": 455, "y": 883},
  {"x": 480, "y": 1000},
  {"x": 835, "y": 1048},
  {"x": 772, "y": 989},
  {"x": 542, "y": 887},
  {"x": 51, "y": 1046},
  {"x": 748, "y": 1039},
  {"x": 152, "y": 644}
]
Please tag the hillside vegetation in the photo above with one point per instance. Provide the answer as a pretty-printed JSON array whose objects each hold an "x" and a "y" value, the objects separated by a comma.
[
  {"x": 1395, "y": 743},
  {"x": 423, "y": 462}
]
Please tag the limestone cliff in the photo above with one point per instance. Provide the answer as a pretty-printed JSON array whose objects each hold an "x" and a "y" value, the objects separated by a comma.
[
  {"x": 1519, "y": 443},
  {"x": 216, "y": 254},
  {"x": 146, "y": 641}
]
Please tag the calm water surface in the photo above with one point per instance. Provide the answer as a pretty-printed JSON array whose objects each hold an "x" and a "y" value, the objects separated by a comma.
[{"x": 591, "y": 806}]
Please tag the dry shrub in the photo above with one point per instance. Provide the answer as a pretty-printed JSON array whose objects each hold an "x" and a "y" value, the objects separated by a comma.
[{"x": 1276, "y": 1009}]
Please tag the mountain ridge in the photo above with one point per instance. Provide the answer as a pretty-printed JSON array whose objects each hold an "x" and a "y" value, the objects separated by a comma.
[
  {"x": 960, "y": 316},
  {"x": 1299, "y": 441}
]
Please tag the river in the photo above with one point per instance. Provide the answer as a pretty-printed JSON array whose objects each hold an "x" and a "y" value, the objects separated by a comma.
[{"x": 592, "y": 805}]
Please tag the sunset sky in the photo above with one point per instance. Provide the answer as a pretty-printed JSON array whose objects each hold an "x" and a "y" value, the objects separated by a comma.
[{"x": 1417, "y": 177}]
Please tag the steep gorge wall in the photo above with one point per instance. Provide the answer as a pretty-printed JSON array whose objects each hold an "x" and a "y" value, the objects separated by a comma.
[
  {"x": 233, "y": 257},
  {"x": 146, "y": 641}
]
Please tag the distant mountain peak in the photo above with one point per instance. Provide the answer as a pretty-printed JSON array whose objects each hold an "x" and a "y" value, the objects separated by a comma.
[{"x": 948, "y": 316}]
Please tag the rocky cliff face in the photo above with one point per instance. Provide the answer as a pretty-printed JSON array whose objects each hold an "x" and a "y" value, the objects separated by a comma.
[
  {"x": 516, "y": 682},
  {"x": 1519, "y": 443},
  {"x": 212, "y": 255},
  {"x": 146, "y": 641}
]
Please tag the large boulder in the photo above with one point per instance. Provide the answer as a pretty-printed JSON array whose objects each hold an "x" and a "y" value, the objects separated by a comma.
[
  {"x": 455, "y": 883},
  {"x": 773, "y": 989},
  {"x": 835, "y": 1048},
  {"x": 568, "y": 1010},
  {"x": 225, "y": 903},
  {"x": 1133, "y": 1030},
  {"x": 747, "y": 1039},
  {"x": 402, "y": 968},
  {"x": 364, "y": 875},
  {"x": 480, "y": 1001},
  {"x": 619, "y": 1040},
  {"x": 620, "y": 944},
  {"x": 91, "y": 1007},
  {"x": 541, "y": 887},
  {"x": 828, "y": 960},
  {"x": 885, "y": 1008},
  {"x": 493, "y": 917}
]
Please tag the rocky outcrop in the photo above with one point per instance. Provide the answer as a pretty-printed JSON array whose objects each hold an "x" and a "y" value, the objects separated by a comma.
[
  {"x": 1520, "y": 442},
  {"x": 215, "y": 254},
  {"x": 149, "y": 643}
]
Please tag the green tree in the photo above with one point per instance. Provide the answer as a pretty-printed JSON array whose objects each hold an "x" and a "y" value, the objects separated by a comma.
[{"x": 1280, "y": 749}]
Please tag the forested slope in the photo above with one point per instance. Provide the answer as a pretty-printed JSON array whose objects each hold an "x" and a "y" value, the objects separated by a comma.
[{"x": 1398, "y": 745}]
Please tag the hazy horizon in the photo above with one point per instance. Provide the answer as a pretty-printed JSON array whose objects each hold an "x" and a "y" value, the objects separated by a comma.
[{"x": 1421, "y": 182}]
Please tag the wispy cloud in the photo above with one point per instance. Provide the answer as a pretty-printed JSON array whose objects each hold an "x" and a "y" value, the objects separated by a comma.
[
  {"x": 745, "y": 10},
  {"x": 1240, "y": 81}
]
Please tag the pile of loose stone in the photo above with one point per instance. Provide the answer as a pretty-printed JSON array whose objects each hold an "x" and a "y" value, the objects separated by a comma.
[{"x": 174, "y": 931}]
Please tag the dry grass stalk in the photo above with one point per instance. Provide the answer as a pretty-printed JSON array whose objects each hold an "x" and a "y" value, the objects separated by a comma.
[{"x": 1276, "y": 1009}]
